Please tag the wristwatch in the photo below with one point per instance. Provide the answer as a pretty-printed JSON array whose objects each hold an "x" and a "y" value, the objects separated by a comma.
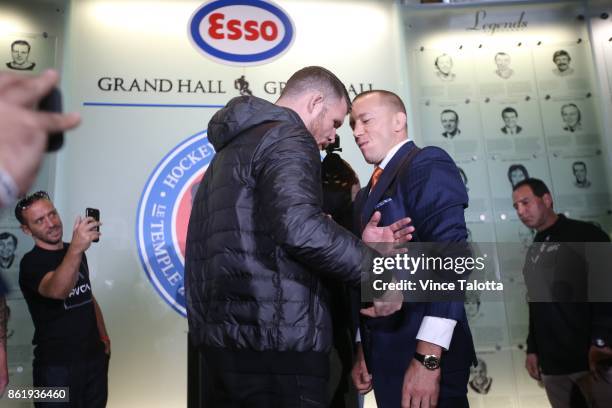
[
  {"x": 430, "y": 361},
  {"x": 599, "y": 342}
]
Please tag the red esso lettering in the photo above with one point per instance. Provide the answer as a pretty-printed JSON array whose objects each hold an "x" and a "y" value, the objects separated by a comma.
[
  {"x": 268, "y": 30},
  {"x": 251, "y": 30},
  {"x": 215, "y": 26}
]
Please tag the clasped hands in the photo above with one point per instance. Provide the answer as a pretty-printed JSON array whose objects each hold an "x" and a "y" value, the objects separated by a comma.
[{"x": 397, "y": 233}]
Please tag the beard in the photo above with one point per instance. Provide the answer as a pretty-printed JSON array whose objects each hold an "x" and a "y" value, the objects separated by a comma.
[
  {"x": 48, "y": 238},
  {"x": 315, "y": 128}
]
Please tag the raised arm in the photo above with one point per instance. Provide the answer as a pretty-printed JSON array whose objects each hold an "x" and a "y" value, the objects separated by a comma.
[{"x": 58, "y": 283}]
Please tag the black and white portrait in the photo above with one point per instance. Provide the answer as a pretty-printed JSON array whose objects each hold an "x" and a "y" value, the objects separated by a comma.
[
  {"x": 450, "y": 123},
  {"x": 480, "y": 382},
  {"x": 444, "y": 67},
  {"x": 517, "y": 173},
  {"x": 562, "y": 59},
  {"x": 8, "y": 245},
  {"x": 572, "y": 118},
  {"x": 20, "y": 53},
  {"x": 579, "y": 169},
  {"x": 502, "y": 61},
  {"x": 472, "y": 304},
  {"x": 510, "y": 117}
]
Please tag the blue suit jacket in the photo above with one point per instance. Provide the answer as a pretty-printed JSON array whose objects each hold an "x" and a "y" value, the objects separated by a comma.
[{"x": 429, "y": 191}]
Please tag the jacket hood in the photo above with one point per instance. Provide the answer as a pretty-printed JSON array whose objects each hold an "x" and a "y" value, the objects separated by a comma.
[{"x": 242, "y": 113}]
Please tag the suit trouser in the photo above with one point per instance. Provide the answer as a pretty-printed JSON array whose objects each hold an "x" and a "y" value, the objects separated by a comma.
[
  {"x": 602, "y": 389},
  {"x": 87, "y": 382},
  {"x": 388, "y": 389},
  {"x": 569, "y": 390},
  {"x": 580, "y": 389},
  {"x": 226, "y": 389},
  {"x": 454, "y": 402}
]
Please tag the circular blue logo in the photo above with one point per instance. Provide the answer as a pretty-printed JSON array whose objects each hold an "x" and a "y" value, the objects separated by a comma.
[
  {"x": 241, "y": 32},
  {"x": 163, "y": 216}
]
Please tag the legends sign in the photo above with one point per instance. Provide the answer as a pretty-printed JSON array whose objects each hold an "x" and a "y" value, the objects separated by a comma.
[{"x": 493, "y": 27}]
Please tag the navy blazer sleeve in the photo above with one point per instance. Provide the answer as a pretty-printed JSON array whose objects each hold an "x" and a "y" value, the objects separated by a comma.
[{"x": 435, "y": 198}]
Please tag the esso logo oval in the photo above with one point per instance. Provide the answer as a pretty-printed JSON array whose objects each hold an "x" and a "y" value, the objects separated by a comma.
[{"x": 247, "y": 32}]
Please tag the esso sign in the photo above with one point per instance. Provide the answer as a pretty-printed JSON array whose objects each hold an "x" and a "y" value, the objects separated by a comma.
[{"x": 247, "y": 32}]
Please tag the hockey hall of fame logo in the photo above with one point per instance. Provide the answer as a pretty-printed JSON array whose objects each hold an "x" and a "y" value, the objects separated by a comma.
[{"x": 163, "y": 216}]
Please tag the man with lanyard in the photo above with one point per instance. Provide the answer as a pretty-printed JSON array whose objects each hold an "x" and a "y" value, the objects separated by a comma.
[{"x": 564, "y": 339}]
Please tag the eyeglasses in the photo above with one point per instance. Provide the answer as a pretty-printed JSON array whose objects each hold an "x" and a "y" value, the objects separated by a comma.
[{"x": 27, "y": 201}]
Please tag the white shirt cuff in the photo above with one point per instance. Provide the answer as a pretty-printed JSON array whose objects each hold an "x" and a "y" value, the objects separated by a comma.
[
  {"x": 437, "y": 330},
  {"x": 358, "y": 336},
  {"x": 8, "y": 189}
]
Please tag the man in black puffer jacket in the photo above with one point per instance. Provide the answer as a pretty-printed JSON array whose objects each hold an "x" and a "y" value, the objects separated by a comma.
[{"x": 258, "y": 245}]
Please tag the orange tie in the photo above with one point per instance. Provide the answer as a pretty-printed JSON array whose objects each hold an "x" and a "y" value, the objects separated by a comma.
[{"x": 375, "y": 176}]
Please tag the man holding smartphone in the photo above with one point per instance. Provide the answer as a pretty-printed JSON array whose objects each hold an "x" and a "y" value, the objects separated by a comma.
[{"x": 72, "y": 345}]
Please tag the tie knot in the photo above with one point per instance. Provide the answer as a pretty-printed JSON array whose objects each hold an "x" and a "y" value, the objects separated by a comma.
[{"x": 375, "y": 176}]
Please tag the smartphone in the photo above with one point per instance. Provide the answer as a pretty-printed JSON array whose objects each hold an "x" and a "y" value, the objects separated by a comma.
[
  {"x": 95, "y": 214},
  {"x": 53, "y": 103}
]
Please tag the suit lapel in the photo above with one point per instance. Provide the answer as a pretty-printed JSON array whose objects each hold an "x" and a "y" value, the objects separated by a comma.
[
  {"x": 360, "y": 200},
  {"x": 386, "y": 178}
]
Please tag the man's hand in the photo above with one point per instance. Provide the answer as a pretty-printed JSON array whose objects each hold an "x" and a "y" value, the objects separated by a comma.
[
  {"x": 533, "y": 366},
  {"x": 107, "y": 345},
  {"x": 23, "y": 130},
  {"x": 397, "y": 233},
  {"x": 421, "y": 385},
  {"x": 386, "y": 305},
  {"x": 598, "y": 355},
  {"x": 360, "y": 375},
  {"x": 83, "y": 233}
]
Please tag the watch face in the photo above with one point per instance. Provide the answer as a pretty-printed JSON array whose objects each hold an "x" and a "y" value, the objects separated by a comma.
[
  {"x": 600, "y": 343},
  {"x": 431, "y": 362}
]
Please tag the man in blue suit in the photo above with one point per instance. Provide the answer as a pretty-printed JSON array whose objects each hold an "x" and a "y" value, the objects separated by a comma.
[{"x": 420, "y": 356}]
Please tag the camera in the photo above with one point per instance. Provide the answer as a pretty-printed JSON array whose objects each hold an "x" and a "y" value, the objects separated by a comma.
[
  {"x": 334, "y": 147},
  {"x": 53, "y": 103}
]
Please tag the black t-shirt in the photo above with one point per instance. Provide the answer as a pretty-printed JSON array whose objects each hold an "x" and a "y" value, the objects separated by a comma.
[
  {"x": 64, "y": 330},
  {"x": 560, "y": 331},
  {"x": 3, "y": 288}
]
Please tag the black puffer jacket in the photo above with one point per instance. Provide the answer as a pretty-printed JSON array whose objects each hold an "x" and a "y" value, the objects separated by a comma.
[{"x": 258, "y": 245}]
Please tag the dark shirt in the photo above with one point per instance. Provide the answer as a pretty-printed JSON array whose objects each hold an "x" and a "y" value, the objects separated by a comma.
[
  {"x": 64, "y": 329},
  {"x": 3, "y": 288},
  {"x": 450, "y": 135},
  {"x": 506, "y": 130},
  {"x": 560, "y": 331},
  {"x": 30, "y": 67}
]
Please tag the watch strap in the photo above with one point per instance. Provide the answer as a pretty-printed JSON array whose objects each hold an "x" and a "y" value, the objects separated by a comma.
[{"x": 421, "y": 358}]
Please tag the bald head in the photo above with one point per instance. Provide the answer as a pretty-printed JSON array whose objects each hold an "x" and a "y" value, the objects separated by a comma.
[
  {"x": 378, "y": 120},
  {"x": 387, "y": 98}
]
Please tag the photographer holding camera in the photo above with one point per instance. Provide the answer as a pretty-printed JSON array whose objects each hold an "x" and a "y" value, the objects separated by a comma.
[{"x": 72, "y": 345}]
